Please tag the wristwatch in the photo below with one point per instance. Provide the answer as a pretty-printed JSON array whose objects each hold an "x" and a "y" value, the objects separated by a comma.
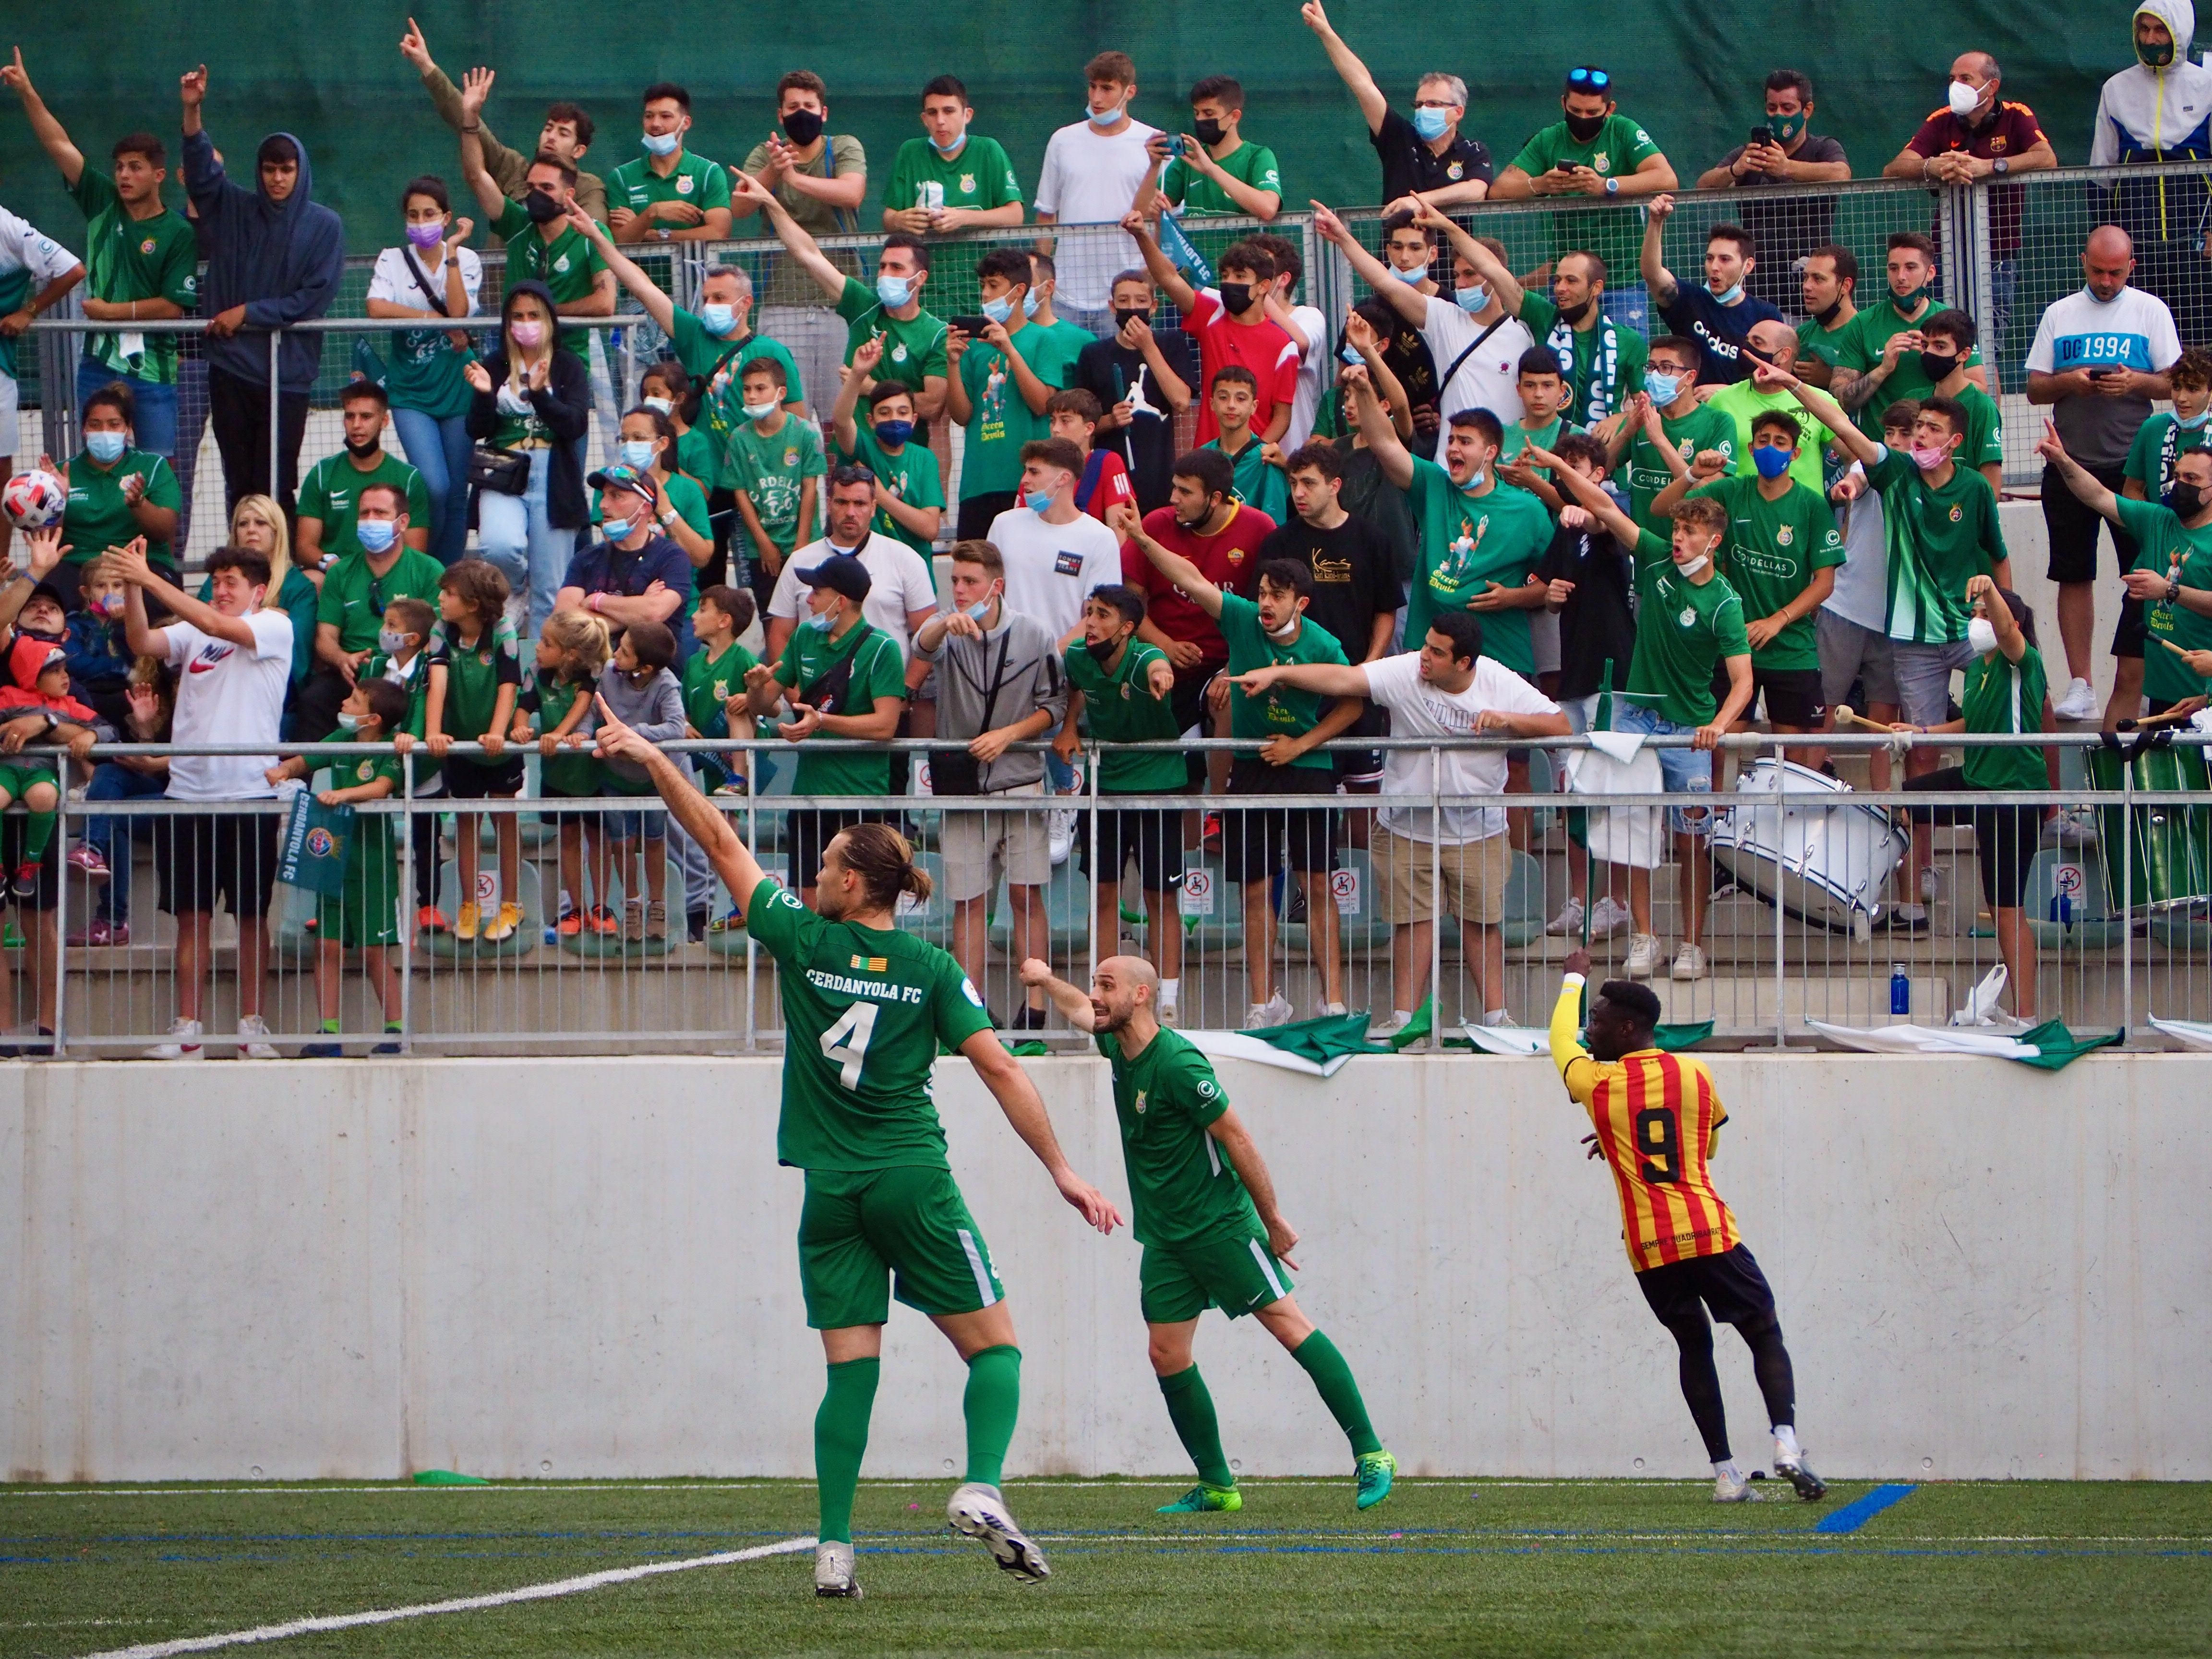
[
  {"x": 1612, "y": 186},
  {"x": 2001, "y": 166}
]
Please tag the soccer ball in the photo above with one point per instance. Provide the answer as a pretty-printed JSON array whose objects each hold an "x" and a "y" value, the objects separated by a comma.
[{"x": 33, "y": 500}]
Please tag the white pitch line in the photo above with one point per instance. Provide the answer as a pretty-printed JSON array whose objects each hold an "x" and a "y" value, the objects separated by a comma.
[
  {"x": 590, "y": 1581},
  {"x": 619, "y": 1486}
]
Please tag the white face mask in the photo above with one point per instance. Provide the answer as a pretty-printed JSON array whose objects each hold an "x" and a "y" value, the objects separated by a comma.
[
  {"x": 1694, "y": 565},
  {"x": 1981, "y": 636},
  {"x": 1964, "y": 99}
]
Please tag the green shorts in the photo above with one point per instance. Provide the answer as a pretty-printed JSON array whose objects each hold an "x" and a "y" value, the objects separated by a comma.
[
  {"x": 366, "y": 911},
  {"x": 858, "y": 1227},
  {"x": 17, "y": 779},
  {"x": 1233, "y": 1272}
]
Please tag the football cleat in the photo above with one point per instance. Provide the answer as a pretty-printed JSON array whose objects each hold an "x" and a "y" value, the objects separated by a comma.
[
  {"x": 977, "y": 1512},
  {"x": 833, "y": 1572},
  {"x": 1809, "y": 1486},
  {"x": 1202, "y": 1499},
  {"x": 1734, "y": 1489},
  {"x": 1377, "y": 1469}
]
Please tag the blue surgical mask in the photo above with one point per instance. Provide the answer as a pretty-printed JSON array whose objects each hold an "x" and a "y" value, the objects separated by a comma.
[
  {"x": 636, "y": 454},
  {"x": 893, "y": 434},
  {"x": 1413, "y": 278},
  {"x": 978, "y": 612},
  {"x": 894, "y": 291},
  {"x": 661, "y": 143},
  {"x": 1351, "y": 356},
  {"x": 1041, "y": 504},
  {"x": 958, "y": 139},
  {"x": 1028, "y": 302},
  {"x": 2191, "y": 422},
  {"x": 391, "y": 641},
  {"x": 106, "y": 447},
  {"x": 1472, "y": 299},
  {"x": 375, "y": 535},
  {"x": 1104, "y": 119},
  {"x": 998, "y": 310},
  {"x": 661, "y": 405},
  {"x": 1661, "y": 389},
  {"x": 1728, "y": 296},
  {"x": 758, "y": 412},
  {"x": 1431, "y": 124},
  {"x": 618, "y": 530},
  {"x": 718, "y": 320},
  {"x": 349, "y": 722},
  {"x": 818, "y": 620},
  {"x": 1771, "y": 463}
]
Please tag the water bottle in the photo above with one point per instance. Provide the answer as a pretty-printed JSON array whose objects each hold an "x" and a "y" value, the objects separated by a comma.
[
  {"x": 2062, "y": 908},
  {"x": 1900, "y": 990}
]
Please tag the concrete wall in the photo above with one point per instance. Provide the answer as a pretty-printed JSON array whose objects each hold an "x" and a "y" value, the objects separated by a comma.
[{"x": 578, "y": 1268}]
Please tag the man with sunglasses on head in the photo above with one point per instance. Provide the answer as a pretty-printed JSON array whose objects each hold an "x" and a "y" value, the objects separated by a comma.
[{"x": 1426, "y": 153}]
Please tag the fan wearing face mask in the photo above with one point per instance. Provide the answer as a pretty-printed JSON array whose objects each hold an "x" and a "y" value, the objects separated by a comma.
[
  {"x": 1592, "y": 151},
  {"x": 329, "y": 495},
  {"x": 1666, "y": 420},
  {"x": 1784, "y": 149},
  {"x": 1427, "y": 152},
  {"x": 2156, "y": 111},
  {"x": 1718, "y": 313},
  {"x": 1092, "y": 170},
  {"x": 1231, "y": 326},
  {"x": 1213, "y": 170},
  {"x": 950, "y": 178},
  {"x": 669, "y": 194}
]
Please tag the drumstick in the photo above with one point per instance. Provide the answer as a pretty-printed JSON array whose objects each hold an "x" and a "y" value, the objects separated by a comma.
[
  {"x": 2178, "y": 651},
  {"x": 1847, "y": 716},
  {"x": 2161, "y": 719}
]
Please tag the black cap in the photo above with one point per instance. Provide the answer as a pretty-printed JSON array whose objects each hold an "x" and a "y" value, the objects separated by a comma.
[
  {"x": 839, "y": 573},
  {"x": 48, "y": 590}
]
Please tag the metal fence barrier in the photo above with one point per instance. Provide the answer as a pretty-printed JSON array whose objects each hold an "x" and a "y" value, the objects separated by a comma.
[{"x": 2116, "y": 917}]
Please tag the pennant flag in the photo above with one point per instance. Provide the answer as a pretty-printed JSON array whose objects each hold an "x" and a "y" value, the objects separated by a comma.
[
  {"x": 1246, "y": 1045},
  {"x": 2189, "y": 1033},
  {"x": 2049, "y": 1046}
]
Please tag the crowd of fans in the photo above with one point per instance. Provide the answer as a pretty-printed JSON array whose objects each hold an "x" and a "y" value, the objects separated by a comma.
[{"x": 1480, "y": 502}]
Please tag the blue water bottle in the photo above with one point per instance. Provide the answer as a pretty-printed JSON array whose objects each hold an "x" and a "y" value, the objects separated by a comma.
[{"x": 1900, "y": 990}]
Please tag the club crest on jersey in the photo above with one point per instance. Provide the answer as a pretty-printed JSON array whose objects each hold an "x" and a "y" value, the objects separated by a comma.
[
  {"x": 1955, "y": 514},
  {"x": 1140, "y": 1103},
  {"x": 872, "y": 965},
  {"x": 968, "y": 184},
  {"x": 684, "y": 186},
  {"x": 1205, "y": 1089},
  {"x": 146, "y": 246},
  {"x": 1689, "y": 617},
  {"x": 1785, "y": 535}
]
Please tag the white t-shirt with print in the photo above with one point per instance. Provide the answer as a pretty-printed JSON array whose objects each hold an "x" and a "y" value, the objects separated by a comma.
[
  {"x": 392, "y": 282},
  {"x": 900, "y": 583},
  {"x": 1052, "y": 567},
  {"x": 25, "y": 247},
  {"x": 1419, "y": 710},
  {"x": 227, "y": 693},
  {"x": 1489, "y": 379},
  {"x": 1091, "y": 179},
  {"x": 1316, "y": 365}
]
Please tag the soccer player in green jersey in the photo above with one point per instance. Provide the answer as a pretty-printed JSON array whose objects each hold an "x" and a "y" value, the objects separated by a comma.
[
  {"x": 865, "y": 1006},
  {"x": 1204, "y": 1208}
]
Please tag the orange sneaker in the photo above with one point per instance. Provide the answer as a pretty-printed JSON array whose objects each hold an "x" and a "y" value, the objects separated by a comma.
[
  {"x": 431, "y": 920},
  {"x": 603, "y": 922},
  {"x": 570, "y": 925}
]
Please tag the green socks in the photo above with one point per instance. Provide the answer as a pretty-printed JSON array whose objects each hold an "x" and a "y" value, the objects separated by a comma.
[
  {"x": 1190, "y": 1407},
  {"x": 38, "y": 834},
  {"x": 991, "y": 1402},
  {"x": 841, "y": 1438},
  {"x": 1338, "y": 1392}
]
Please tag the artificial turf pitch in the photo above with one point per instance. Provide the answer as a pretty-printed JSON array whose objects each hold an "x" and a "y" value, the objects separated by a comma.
[{"x": 1445, "y": 1566}]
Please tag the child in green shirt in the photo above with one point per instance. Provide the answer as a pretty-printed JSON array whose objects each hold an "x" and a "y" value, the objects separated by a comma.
[
  {"x": 1261, "y": 483},
  {"x": 366, "y": 913},
  {"x": 778, "y": 465},
  {"x": 573, "y": 648},
  {"x": 476, "y": 672},
  {"x": 402, "y": 657},
  {"x": 2150, "y": 468},
  {"x": 714, "y": 676}
]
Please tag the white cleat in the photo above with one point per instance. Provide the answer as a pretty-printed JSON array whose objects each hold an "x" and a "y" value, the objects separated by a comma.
[
  {"x": 977, "y": 1512},
  {"x": 1734, "y": 1489},
  {"x": 833, "y": 1572}
]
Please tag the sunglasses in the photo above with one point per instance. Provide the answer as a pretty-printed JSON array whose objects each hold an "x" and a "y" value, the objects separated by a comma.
[
  {"x": 1588, "y": 80},
  {"x": 851, "y": 474}
]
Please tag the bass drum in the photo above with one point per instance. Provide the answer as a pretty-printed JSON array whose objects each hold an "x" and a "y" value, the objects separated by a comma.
[
  {"x": 1795, "y": 839},
  {"x": 2172, "y": 838}
]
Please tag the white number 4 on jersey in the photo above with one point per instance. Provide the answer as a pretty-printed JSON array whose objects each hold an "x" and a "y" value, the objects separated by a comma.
[{"x": 847, "y": 1042}]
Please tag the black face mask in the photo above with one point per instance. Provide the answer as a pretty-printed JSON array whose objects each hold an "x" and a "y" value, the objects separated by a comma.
[
  {"x": 2187, "y": 500},
  {"x": 1121, "y": 317},
  {"x": 1208, "y": 131},
  {"x": 1574, "y": 313},
  {"x": 1236, "y": 298},
  {"x": 1584, "y": 128},
  {"x": 1827, "y": 317},
  {"x": 368, "y": 448},
  {"x": 1936, "y": 366},
  {"x": 543, "y": 207},
  {"x": 802, "y": 126},
  {"x": 1102, "y": 650}
]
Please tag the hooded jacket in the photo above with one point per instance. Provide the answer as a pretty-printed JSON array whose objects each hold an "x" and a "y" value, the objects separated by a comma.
[
  {"x": 26, "y": 660},
  {"x": 2147, "y": 114},
  {"x": 280, "y": 260}
]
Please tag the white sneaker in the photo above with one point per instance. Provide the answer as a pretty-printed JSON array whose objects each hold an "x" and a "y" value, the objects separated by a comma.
[
  {"x": 184, "y": 1043},
  {"x": 1607, "y": 917},
  {"x": 253, "y": 1039},
  {"x": 833, "y": 1572},
  {"x": 1642, "y": 956},
  {"x": 1930, "y": 884},
  {"x": 1689, "y": 962},
  {"x": 2073, "y": 827},
  {"x": 1330, "y": 1009},
  {"x": 1059, "y": 835},
  {"x": 1733, "y": 1489},
  {"x": 1384, "y": 1029},
  {"x": 1275, "y": 1010},
  {"x": 1569, "y": 921},
  {"x": 978, "y": 1511},
  {"x": 1498, "y": 1017},
  {"x": 2080, "y": 703}
]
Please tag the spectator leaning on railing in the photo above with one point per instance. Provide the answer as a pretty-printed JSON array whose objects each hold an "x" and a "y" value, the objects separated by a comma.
[
  {"x": 950, "y": 179},
  {"x": 234, "y": 660}
]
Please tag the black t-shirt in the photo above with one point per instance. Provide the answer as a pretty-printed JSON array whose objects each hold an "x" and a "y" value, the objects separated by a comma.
[
  {"x": 1353, "y": 581},
  {"x": 1408, "y": 164},
  {"x": 1720, "y": 329},
  {"x": 1595, "y": 622},
  {"x": 1407, "y": 354},
  {"x": 1107, "y": 369},
  {"x": 1368, "y": 494}
]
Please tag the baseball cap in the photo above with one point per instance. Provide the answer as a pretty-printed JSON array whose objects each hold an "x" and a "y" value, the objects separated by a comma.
[
  {"x": 621, "y": 476},
  {"x": 839, "y": 573}
]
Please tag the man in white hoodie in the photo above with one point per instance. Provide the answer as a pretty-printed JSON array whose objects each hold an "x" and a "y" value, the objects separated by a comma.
[{"x": 2159, "y": 109}]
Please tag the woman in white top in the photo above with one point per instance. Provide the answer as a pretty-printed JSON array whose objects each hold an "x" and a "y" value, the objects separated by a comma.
[{"x": 431, "y": 276}]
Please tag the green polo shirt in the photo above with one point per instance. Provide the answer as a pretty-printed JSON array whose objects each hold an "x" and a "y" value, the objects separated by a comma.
[
  {"x": 694, "y": 179},
  {"x": 354, "y": 597},
  {"x": 1197, "y": 194},
  {"x": 2008, "y": 696},
  {"x": 979, "y": 177},
  {"x": 126, "y": 259},
  {"x": 2171, "y": 549},
  {"x": 98, "y": 518},
  {"x": 567, "y": 265},
  {"x": 1283, "y": 711},
  {"x": 911, "y": 474},
  {"x": 1860, "y": 344},
  {"x": 1644, "y": 471},
  {"x": 1683, "y": 631},
  {"x": 914, "y": 347},
  {"x": 878, "y": 670},
  {"x": 1119, "y": 707},
  {"x": 331, "y": 493},
  {"x": 1744, "y": 403},
  {"x": 1773, "y": 549},
  {"x": 1615, "y": 235},
  {"x": 1938, "y": 540}
]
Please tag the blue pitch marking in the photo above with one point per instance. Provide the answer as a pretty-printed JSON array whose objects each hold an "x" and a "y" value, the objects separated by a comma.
[{"x": 1860, "y": 1511}]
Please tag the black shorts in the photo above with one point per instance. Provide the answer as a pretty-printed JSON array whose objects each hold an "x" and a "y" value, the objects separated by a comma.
[
  {"x": 1154, "y": 838},
  {"x": 1730, "y": 1285},
  {"x": 809, "y": 831},
  {"x": 1793, "y": 695},
  {"x": 2005, "y": 838},
  {"x": 973, "y": 523},
  {"x": 2073, "y": 528},
  {"x": 1253, "y": 841},
  {"x": 1362, "y": 765},
  {"x": 49, "y": 887},
  {"x": 200, "y": 856},
  {"x": 2131, "y": 634},
  {"x": 1186, "y": 702},
  {"x": 469, "y": 780}
]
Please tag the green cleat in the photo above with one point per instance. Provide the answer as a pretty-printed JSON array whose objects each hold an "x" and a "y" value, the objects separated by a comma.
[
  {"x": 1203, "y": 1499},
  {"x": 1376, "y": 1470}
]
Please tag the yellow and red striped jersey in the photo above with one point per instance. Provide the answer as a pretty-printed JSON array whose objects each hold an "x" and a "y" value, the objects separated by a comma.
[{"x": 1655, "y": 1115}]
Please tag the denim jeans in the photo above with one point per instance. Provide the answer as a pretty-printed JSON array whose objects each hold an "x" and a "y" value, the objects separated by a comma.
[
  {"x": 438, "y": 450},
  {"x": 517, "y": 534},
  {"x": 154, "y": 424},
  {"x": 110, "y": 835}
]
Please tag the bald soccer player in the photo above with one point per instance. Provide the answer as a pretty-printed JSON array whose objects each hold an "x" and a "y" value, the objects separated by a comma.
[{"x": 1206, "y": 1213}]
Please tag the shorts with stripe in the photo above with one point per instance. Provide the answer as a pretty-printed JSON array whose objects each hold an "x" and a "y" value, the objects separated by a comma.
[
  {"x": 1233, "y": 1272},
  {"x": 859, "y": 1227}
]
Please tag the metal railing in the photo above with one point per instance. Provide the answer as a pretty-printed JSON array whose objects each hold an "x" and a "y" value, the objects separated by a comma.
[{"x": 2120, "y": 915}]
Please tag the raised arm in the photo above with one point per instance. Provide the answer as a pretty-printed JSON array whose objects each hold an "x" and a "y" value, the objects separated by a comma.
[
  {"x": 1588, "y": 494},
  {"x": 658, "y": 305},
  {"x": 802, "y": 247},
  {"x": 2086, "y": 488},
  {"x": 732, "y": 859},
  {"x": 1383, "y": 439},
  {"x": 1126, "y": 522},
  {"x": 1651, "y": 262},
  {"x": 1576, "y": 1069},
  {"x": 1172, "y": 281},
  {"x": 1359, "y": 335},
  {"x": 1503, "y": 283},
  {"x": 1330, "y": 679},
  {"x": 52, "y": 137},
  {"x": 1407, "y": 302},
  {"x": 1346, "y": 62},
  {"x": 1018, "y": 1098},
  {"x": 131, "y": 566},
  {"x": 1074, "y": 1005},
  {"x": 476, "y": 87}
]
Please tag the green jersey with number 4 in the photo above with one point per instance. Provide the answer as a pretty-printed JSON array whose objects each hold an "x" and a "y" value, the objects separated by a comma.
[{"x": 864, "y": 1011}]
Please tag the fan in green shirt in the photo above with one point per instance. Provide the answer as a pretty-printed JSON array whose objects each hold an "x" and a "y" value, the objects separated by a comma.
[
  {"x": 112, "y": 502},
  {"x": 1780, "y": 555},
  {"x": 668, "y": 194},
  {"x": 1879, "y": 361},
  {"x": 775, "y": 460},
  {"x": 950, "y": 180},
  {"x": 1603, "y": 360},
  {"x": 1668, "y": 422},
  {"x": 1592, "y": 151},
  {"x": 359, "y": 588},
  {"x": 329, "y": 495},
  {"x": 1745, "y": 402},
  {"x": 1002, "y": 382},
  {"x": 910, "y": 497},
  {"x": 838, "y": 672},
  {"x": 1212, "y": 170},
  {"x": 1125, "y": 696},
  {"x": 541, "y": 242},
  {"x": 146, "y": 267},
  {"x": 2163, "y": 438},
  {"x": 713, "y": 674}
]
